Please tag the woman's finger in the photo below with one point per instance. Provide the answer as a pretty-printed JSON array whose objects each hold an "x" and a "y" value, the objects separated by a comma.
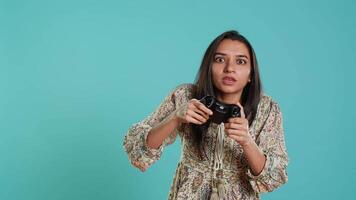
[
  {"x": 241, "y": 110},
  {"x": 202, "y": 107},
  {"x": 196, "y": 116},
  {"x": 237, "y": 120},
  {"x": 235, "y": 126},
  {"x": 235, "y": 132},
  {"x": 205, "y": 115},
  {"x": 192, "y": 120},
  {"x": 237, "y": 138},
  {"x": 242, "y": 123}
]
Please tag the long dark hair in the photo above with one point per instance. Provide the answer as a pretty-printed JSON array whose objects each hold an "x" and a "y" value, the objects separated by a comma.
[{"x": 204, "y": 85}]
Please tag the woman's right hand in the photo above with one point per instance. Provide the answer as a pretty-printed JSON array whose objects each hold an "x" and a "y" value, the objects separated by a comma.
[{"x": 193, "y": 112}]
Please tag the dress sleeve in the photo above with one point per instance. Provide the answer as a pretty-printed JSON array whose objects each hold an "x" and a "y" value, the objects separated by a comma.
[
  {"x": 272, "y": 143},
  {"x": 141, "y": 155}
]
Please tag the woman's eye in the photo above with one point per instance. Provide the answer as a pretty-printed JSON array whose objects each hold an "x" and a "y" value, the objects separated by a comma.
[
  {"x": 219, "y": 59},
  {"x": 240, "y": 61}
]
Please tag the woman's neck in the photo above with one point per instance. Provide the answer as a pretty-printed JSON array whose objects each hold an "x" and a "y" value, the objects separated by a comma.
[{"x": 232, "y": 98}]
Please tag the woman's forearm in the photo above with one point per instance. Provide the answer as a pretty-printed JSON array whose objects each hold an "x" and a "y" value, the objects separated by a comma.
[
  {"x": 255, "y": 158},
  {"x": 158, "y": 134}
]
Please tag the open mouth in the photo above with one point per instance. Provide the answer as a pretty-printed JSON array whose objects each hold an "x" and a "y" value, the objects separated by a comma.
[{"x": 228, "y": 80}]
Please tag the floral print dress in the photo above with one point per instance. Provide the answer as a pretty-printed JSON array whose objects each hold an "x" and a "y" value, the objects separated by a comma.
[{"x": 193, "y": 177}]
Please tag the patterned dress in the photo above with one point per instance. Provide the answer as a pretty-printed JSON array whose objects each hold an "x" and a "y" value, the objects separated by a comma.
[{"x": 193, "y": 177}]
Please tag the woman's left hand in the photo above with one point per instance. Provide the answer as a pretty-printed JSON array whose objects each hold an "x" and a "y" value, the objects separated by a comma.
[{"x": 237, "y": 129}]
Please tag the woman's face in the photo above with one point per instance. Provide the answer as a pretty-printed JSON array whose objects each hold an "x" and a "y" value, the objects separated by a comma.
[{"x": 231, "y": 67}]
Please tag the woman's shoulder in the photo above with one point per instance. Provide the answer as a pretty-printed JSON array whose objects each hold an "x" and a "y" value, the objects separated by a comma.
[
  {"x": 188, "y": 87},
  {"x": 267, "y": 106},
  {"x": 184, "y": 91},
  {"x": 267, "y": 101}
]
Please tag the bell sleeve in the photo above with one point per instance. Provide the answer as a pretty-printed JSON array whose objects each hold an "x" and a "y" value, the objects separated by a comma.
[
  {"x": 272, "y": 143},
  {"x": 139, "y": 153}
]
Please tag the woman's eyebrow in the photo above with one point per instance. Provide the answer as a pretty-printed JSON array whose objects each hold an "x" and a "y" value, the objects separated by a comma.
[{"x": 239, "y": 55}]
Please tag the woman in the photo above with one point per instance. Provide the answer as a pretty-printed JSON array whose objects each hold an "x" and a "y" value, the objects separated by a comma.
[{"x": 237, "y": 159}]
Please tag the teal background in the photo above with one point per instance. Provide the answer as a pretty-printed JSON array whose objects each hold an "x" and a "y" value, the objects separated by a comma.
[{"x": 74, "y": 75}]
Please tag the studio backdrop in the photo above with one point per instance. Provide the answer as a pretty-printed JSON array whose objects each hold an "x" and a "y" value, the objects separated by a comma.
[{"x": 75, "y": 75}]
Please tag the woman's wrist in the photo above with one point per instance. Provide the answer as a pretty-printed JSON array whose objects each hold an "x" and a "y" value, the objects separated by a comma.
[
  {"x": 175, "y": 117},
  {"x": 159, "y": 133},
  {"x": 250, "y": 144},
  {"x": 255, "y": 157}
]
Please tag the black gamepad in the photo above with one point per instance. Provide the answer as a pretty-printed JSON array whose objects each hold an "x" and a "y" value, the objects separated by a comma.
[{"x": 221, "y": 111}]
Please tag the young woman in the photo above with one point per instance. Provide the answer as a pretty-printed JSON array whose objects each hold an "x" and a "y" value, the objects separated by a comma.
[{"x": 238, "y": 159}]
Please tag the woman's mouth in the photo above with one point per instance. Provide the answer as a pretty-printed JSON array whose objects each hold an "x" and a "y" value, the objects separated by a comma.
[{"x": 227, "y": 80}]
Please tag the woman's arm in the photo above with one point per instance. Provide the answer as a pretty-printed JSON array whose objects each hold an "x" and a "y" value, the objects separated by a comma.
[
  {"x": 160, "y": 128},
  {"x": 255, "y": 158},
  {"x": 267, "y": 156},
  {"x": 192, "y": 112},
  {"x": 139, "y": 153},
  {"x": 272, "y": 143},
  {"x": 237, "y": 129},
  {"x": 158, "y": 134}
]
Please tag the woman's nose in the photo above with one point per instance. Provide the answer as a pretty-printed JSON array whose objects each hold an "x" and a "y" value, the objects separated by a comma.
[{"x": 229, "y": 66}]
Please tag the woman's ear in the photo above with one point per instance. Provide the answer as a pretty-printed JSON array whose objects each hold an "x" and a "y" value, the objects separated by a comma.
[{"x": 249, "y": 77}]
